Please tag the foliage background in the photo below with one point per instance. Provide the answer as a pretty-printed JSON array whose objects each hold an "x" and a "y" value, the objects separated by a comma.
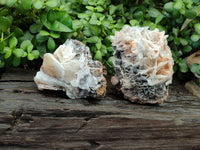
[{"x": 30, "y": 28}]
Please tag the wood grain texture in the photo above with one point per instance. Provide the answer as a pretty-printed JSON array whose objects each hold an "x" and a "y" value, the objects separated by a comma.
[{"x": 31, "y": 119}]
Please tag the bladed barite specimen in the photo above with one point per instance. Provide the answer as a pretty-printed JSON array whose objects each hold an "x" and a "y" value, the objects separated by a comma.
[
  {"x": 72, "y": 70},
  {"x": 143, "y": 64}
]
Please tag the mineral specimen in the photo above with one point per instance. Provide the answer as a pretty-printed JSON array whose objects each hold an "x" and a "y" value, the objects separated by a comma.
[
  {"x": 72, "y": 70},
  {"x": 142, "y": 63}
]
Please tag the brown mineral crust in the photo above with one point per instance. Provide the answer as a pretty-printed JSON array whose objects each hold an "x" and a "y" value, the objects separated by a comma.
[
  {"x": 101, "y": 91},
  {"x": 143, "y": 64}
]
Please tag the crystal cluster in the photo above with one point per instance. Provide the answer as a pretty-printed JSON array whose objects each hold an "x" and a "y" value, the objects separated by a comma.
[
  {"x": 72, "y": 70},
  {"x": 143, "y": 64}
]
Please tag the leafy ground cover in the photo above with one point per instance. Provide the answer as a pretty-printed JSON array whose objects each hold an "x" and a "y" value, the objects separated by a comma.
[{"x": 30, "y": 28}]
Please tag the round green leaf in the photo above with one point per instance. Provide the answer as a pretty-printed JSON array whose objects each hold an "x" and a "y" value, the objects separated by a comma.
[
  {"x": 18, "y": 52},
  {"x": 154, "y": 12},
  {"x": 25, "y": 54},
  {"x": 98, "y": 56},
  {"x": 183, "y": 65},
  {"x": 195, "y": 37},
  {"x": 30, "y": 56},
  {"x": 5, "y": 23},
  {"x": 35, "y": 28},
  {"x": 8, "y": 54},
  {"x": 18, "y": 32},
  {"x": 187, "y": 49},
  {"x": 52, "y": 3},
  {"x": 55, "y": 35},
  {"x": 184, "y": 42},
  {"x": 36, "y": 53},
  {"x": 168, "y": 7},
  {"x": 178, "y": 4},
  {"x": 40, "y": 38},
  {"x": 190, "y": 14},
  {"x": 29, "y": 47},
  {"x": 195, "y": 68},
  {"x": 25, "y": 44},
  {"x": 26, "y": 4},
  {"x": 12, "y": 42},
  {"x": 44, "y": 33},
  {"x": 10, "y": 3},
  {"x": 51, "y": 44},
  {"x": 197, "y": 27},
  {"x": 110, "y": 61},
  {"x": 38, "y": 4}
]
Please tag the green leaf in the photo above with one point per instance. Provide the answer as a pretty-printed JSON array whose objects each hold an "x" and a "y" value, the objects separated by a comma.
[
  {"x": 158, "y": 18},
  {"x": 83, "y": 16},
  {"x": 154, "y": 12},
  {"x": 92, "y": 2},
  {"x": 168, "y": 7},
  {"x": 38, "y": 4},
  {"x": 184, "y": 42},
  {"x": 18, "y": 52},
  {"x": 133, "y": 22},
  {"x": 197, "y": 27},
  {"x": 175, "y": 31},
  {"x": 36, "y": 53},
  {"x": 8, "y": 54},
  {"x": 61, "y": 22},
  {"x": 26, "y": 4},
  {"x": 99, "y": 9},
  {"x": 44, "y": 33},
  {"x": 101, "y": 2},
  {"x": 35, "y": 28},
  {"x": 18, "y": 32},
  {"x": 4, "y": 23},
  {"x": 77, "y": 24},
  {"x": 187, "y": 49},
  {"x": 190, "y": 14},
  {"x": 27, "y": 36},
  {"x": 55, "y": 35},
  {"x": 93, "y": 19},
  {"x": 98, "y": 45},
  {"x": 93, "y": 39},
  {"x": 29, "y": 47},
  {"x": 25, "y": 54},
  {"x": 30, "y": 56},
  {"x": 16, "y": 61},
  {"x": 4, "y": 12},
  {"x": 195, "y": 68},
  {"x": 41, "y": 38},
  {"x": 195, "y": 37},
  {"x": 183, "y": 65},
  {"x": 13, "y": 42},
  {"x": 52, "y": 3},
  {"x": 25, "y": 44},
  {"x": 2, "y": 44},
  {"x": 178, "y": 4},
  {"x": 10, "y": 3},
  {"x": 90, "y": 8},
  {"x": 110, "y": 61},
  {"x": 112, "y": 9},
  {"x": 98, "y": 55},
  {"x": 51, "y": 44}
]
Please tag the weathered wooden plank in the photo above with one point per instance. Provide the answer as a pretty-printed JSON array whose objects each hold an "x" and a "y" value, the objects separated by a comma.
[{"x": 30, "y": 119}]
